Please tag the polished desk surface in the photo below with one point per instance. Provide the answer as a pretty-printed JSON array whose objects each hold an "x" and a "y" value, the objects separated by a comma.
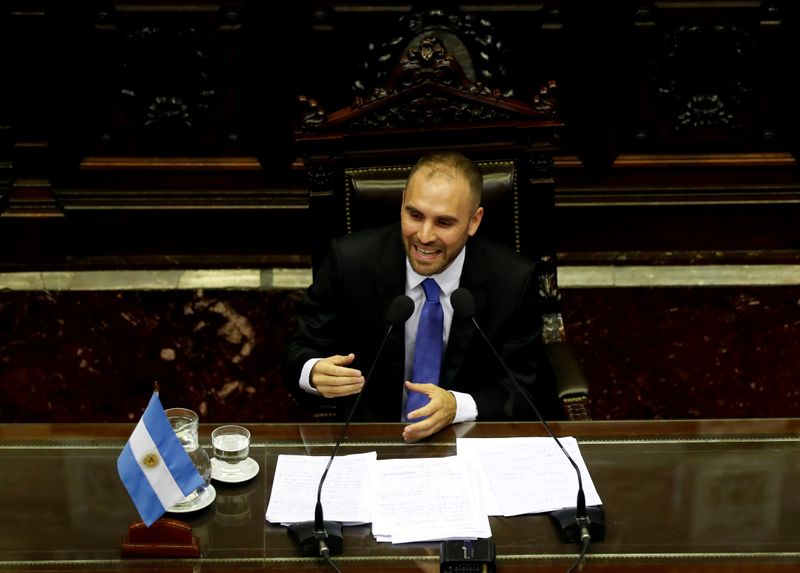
[{"x": 708, "y": 495}]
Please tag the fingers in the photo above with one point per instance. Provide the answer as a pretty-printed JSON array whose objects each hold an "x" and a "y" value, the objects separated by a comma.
[
  {"x": 419, "y": 430},
  {"x": 440, "y": 412},
  {"x": 340, "y": 360},
  {"x": 333, "y": 378}
]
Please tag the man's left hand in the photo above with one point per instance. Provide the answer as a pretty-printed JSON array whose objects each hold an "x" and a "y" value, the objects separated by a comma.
[{"x": 440, "y": 412}]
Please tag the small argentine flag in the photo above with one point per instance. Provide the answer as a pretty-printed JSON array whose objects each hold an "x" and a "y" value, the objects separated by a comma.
[{"x": 154, "y": 467}]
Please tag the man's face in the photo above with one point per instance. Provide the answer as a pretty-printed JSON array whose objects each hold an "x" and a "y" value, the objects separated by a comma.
[{"x": 436, "y": 219}]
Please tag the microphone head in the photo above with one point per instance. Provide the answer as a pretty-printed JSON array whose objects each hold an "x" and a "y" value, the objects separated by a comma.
[
  {"x": 400, "y": 310},
  {"x": 463, "y": 303}
]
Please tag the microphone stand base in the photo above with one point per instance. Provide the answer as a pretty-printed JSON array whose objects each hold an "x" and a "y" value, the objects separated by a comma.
[
  {"x": 571, "y": 531},
  {"x": 309, "y": 537}
]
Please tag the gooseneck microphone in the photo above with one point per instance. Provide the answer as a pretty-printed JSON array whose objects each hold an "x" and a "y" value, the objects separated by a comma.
[
  {"x": 324, "y": 538},
  {"x": 585, "y": 523}
]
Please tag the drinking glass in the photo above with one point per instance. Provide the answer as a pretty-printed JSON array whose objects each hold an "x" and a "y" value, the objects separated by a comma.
[{"x": 231, "y": 445}]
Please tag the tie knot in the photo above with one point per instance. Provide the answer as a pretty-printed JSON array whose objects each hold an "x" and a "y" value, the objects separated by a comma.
[{"x": 431, "y": 290}]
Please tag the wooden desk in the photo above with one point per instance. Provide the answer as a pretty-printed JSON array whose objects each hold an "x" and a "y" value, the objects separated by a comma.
[{"x": 717, "y": 495}]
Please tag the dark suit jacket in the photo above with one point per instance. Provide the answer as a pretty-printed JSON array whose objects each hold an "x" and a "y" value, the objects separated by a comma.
[{"x": 345, "y": 311}]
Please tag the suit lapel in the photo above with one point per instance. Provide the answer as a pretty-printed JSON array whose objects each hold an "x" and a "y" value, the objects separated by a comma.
[
  {"x": 391, "y": 279},
  {"x": 390, "y": 282},
  {"x": 473, "y": 278}
]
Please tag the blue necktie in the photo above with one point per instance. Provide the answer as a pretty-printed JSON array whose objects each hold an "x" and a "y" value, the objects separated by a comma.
[{"x": 427, "y": 348}]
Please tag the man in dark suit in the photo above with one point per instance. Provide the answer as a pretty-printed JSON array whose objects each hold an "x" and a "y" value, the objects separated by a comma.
[{"x": 341, "y": 321}]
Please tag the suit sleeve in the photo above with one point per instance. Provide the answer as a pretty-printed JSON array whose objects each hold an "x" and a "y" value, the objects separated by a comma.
[
  {"x": 318, "y": 323},
  {"x": 516, "y": 334}
]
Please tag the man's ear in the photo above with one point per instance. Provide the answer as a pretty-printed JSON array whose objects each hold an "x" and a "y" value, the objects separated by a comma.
[{"x": 475, "y": 221}]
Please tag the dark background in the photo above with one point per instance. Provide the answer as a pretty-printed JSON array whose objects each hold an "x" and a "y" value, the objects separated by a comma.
[{"x": 143, "y": 133}]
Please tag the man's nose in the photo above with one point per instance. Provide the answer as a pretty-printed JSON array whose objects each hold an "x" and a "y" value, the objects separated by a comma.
[{"x": 426, "y": 232}]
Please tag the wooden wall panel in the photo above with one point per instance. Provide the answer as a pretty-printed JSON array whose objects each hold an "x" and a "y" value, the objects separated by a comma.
[
  {"x": 701, "y": 151},
  {"x": 152, "y": 133},
  {"x": 143, "y": 132}
]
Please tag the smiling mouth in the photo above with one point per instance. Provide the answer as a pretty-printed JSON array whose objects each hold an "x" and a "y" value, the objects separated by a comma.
[{"x": 426, "y": 253}]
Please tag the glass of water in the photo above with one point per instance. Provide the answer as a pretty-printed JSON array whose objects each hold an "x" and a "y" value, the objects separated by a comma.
[{"x": 231, "y": 447}]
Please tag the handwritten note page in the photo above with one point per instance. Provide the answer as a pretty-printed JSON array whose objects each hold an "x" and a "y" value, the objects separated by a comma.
[
  {"x": 346, "y": 493},
  {"x": 530, "y": 475},
  {"x": 469, "y": 448},
  {"x": 427, "y": 499}
]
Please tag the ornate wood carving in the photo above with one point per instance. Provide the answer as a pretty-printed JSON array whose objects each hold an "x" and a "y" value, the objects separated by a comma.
[
  {"x": 167, "y": 76},
  {"x": 430, "y": 61},
  {"x": 428, "y": 87},
  {"x": 321, "y": 179},
  {"x": 714, "y": 100},
  {"x": 476, "y": 34}
]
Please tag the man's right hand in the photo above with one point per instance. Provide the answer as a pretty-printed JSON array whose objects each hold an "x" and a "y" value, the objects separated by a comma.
[{"x": 332, "y": 378}]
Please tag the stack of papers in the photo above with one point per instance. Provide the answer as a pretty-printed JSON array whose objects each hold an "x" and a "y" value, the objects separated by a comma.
[
  {"x": 431, "y": 499},
  {"x": 428, "y": 499}
]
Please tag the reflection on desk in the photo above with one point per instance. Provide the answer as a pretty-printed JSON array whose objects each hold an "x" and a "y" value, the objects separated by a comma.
[{"x": 679, "y": 496}]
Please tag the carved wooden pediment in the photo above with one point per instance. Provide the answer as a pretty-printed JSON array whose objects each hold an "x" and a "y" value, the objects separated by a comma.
[{"x": 428, "y": 89}]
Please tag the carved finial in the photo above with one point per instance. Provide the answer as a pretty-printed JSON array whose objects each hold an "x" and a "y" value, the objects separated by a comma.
[
  {"x": 313, "y": 114},
  {"x": 545, "y": 101},
  {"x": 428, "y": 61}
]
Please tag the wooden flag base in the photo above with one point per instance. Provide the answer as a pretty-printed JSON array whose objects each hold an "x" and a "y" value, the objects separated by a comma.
[{"x": 165, "y": 538}]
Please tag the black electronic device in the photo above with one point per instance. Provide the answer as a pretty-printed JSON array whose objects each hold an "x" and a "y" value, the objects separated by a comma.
[
  {"x": 467, "y": 556},
  {"x": 570, "y": 525}
]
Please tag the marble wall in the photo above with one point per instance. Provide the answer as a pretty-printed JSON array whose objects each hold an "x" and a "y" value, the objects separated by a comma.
[
  {"x": 683, "y": 352},
  {"x": 689, "y": 352},
  {"x": 94, "y": 356}
]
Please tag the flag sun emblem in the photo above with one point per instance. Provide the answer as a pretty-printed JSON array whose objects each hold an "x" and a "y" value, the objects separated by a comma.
[{"x": 150, "y": 459}]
